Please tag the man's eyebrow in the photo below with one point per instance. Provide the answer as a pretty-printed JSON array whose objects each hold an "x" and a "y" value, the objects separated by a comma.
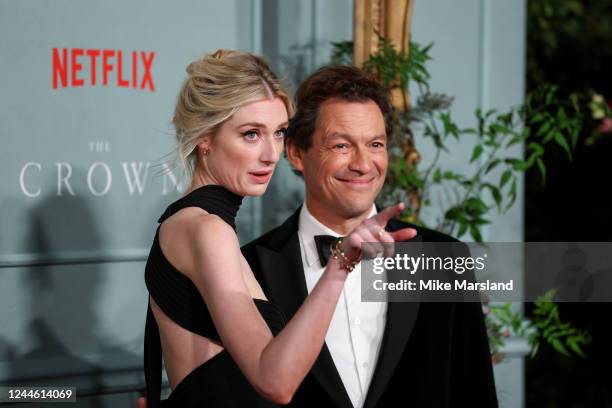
[{"x": 339, "y": 135}]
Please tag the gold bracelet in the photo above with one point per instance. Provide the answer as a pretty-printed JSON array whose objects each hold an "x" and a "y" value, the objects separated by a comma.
[{"x": 345, "y": 263}]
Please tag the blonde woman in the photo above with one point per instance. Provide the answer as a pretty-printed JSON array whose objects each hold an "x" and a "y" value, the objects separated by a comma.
[{"x": 223, "y": 343}]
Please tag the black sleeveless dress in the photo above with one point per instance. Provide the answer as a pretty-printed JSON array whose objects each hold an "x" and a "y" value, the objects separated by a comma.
[{"x": 218, "y": 382}]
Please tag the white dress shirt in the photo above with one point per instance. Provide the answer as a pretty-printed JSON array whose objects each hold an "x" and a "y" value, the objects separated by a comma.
[{"x": 356, "y": 329}]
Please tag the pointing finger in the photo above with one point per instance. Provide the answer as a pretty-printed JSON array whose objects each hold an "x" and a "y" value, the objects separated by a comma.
[
  {"x": 390, "y": 212},
  {"x": 404, "y": 234}
]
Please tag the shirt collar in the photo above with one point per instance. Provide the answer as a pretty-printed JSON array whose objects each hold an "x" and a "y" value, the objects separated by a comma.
[{"x": 308, "y": 227}]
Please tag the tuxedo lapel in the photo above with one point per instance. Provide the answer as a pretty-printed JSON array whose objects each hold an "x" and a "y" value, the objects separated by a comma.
[
  {"x": 283, "y": 274},
  {"x": 401, "y": 318}
]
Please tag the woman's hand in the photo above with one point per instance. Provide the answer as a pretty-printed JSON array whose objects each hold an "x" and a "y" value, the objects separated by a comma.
[{"x": 372, "y": 231}]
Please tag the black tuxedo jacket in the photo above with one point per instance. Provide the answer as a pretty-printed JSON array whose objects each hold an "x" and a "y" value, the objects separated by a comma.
[{"x": 431, "y": 355}]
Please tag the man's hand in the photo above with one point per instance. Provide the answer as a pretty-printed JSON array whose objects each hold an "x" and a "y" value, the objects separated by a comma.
[{"x": 372, "y": 231}]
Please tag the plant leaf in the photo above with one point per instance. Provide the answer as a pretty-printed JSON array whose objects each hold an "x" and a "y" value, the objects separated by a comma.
[
  {"x": 476, "y": 152},
  {"x": 505, "y": 178}
]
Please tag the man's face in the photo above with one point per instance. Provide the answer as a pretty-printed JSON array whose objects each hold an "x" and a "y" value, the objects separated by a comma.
[{"x": 344, "y": 169}]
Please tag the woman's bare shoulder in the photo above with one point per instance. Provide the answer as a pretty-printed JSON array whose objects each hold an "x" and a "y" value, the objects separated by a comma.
[{"x": 192, "y": 233}]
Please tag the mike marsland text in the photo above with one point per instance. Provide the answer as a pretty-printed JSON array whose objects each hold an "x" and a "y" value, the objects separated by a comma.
[{"x": 436, "y": 285}]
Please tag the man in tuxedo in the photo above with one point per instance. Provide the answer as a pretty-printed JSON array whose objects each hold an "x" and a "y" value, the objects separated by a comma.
[{"x": 376, "y": 354}]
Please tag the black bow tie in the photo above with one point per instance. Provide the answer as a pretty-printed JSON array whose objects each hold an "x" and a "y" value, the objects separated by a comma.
[{"x": 324, "y": 243}]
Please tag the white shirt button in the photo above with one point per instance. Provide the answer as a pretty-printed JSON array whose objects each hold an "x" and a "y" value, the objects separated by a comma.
[
  {"x": 357, "y": 321},
  {"x": 365, "y": 365}
]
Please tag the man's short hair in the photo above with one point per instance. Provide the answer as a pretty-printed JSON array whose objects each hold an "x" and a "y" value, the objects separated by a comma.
[{"x": 343, "y": 82}]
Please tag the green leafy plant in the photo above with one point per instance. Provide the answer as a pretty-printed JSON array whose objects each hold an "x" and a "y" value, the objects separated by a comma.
[
  {"x": 545, "y": 119},
  {"x": 545, "y": 325},
  {"x": 561, "y": 335}
]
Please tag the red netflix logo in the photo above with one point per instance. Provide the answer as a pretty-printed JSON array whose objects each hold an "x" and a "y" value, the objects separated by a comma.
[{"x": 67, "y": 67}]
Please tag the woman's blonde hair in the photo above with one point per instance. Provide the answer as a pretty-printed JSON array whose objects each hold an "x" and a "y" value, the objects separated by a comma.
[{"x": 217, "y": 85}]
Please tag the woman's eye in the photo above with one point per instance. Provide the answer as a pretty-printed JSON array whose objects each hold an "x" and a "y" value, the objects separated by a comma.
[
  {"x": 281, "y": 133},
  {"x": 250, "y": 135}
]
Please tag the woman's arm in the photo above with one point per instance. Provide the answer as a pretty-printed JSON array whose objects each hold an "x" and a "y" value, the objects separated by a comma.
[{"x": 275, "y": 366}]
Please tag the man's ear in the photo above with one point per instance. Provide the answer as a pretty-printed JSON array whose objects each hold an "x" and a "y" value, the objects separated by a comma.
[{"x": 295, "y": 156}]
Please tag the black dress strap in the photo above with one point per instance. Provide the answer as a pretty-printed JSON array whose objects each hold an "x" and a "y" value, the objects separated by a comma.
[{"x": 212, "y": 198}]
